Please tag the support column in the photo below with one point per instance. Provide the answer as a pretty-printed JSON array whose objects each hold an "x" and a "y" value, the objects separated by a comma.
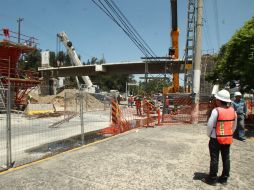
[{"x": 197, "y": 63}]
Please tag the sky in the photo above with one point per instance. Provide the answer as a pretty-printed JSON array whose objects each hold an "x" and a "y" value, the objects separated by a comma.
[{"x": 93, "y": 34}]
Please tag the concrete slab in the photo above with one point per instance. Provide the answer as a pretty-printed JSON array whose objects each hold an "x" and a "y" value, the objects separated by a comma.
[
  {"x": 147, "y": 158},
  {"x": 33, "y": 109}
]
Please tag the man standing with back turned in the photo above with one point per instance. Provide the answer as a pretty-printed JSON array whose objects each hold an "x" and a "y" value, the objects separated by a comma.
[
  {"x": 240, "y": 108},
  {"x": 220, "y": 129}
]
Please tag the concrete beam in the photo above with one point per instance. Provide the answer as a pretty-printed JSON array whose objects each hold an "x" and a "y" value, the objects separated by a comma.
[{"x": 135, "y": 67}]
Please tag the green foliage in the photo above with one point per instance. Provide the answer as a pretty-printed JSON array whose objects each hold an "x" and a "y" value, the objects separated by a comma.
[
  {"x": 236, "y": 58},
  {"x": 109, "y": 82},
  {"x": 154, "y": 86},
  {"x": 31, "y": 61}
]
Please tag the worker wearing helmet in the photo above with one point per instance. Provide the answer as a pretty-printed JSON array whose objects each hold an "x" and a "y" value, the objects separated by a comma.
[
  {"x": 220, "y": 129},
  {"x": 137, "y": 100},
  {"x": 240, "y": 108}
]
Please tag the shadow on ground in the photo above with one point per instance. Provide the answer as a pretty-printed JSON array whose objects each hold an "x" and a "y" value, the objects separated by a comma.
[
  {"x": 66, "y": 144},
  {"x": 249, "y": 130}
]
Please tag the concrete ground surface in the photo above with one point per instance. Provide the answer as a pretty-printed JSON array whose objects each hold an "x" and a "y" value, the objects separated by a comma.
[{"x": 164, "y": 157}]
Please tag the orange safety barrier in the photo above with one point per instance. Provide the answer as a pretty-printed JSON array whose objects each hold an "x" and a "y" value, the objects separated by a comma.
[
  {"x": 115, "y": 112},
  {"x": 250, "y": 113},
  {"x": 150, "y": 111},
  {"x": 182, "y": 108},
  {"x": 118, "y": 123}
]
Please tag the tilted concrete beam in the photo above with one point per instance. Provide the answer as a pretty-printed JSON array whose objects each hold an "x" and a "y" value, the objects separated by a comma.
[{"x": 134, "y": 67}]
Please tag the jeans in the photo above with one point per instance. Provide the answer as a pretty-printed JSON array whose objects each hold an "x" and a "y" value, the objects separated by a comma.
[
  {"x": 240, "y": 127},
  {"x": 215, "y": 148}
]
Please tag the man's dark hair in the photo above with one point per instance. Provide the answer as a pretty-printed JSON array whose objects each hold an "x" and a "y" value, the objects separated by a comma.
[{"x": 225, "y": 103}]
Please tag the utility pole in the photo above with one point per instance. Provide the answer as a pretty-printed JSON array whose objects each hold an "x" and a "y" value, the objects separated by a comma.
[
  {"x": 19, "y": 22},
  {"x": 197, "y": 63}
]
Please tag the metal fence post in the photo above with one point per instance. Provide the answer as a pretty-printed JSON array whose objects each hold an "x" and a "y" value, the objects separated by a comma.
[
  {"x": 8, "y": 124},
  {"x": 86, "y": 100},
  {"x": 76, "y": 101},
  {"x": 64, "y": 105},
  {"x": 81, "y": 97},
  {"x": 110, "y": 108}
]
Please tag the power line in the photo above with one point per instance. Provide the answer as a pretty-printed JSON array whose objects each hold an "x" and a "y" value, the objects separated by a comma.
[
  {"x": 114, "y": 13},
  {"x": 127, "y": 27},
  {"x": 206, "y": 27},
  {"x": 133, "y": 28},
  {"x": 110, "y": 8},
  {"x": 108, "y": 13},
  {"x": 215, "y": 6}
]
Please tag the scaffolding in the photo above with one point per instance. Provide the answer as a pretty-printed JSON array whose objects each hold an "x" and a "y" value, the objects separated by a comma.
[{"x": 21, "y": 81}]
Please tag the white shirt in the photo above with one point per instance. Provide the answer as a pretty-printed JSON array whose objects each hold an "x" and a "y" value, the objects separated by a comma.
[{"x": 212, "y": 123}]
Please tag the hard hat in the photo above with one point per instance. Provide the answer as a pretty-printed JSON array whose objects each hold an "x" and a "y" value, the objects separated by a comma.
[
  {"x": 238, "y": 94},
  {"x": 223, "y": 95}
]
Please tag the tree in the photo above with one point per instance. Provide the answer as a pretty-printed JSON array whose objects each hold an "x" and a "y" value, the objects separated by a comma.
[
  {"x": 154, "y": 86},
  {"x": 236, "y": 59},
  {"x": 31, "y": 61},
  {"x": 110, "y": 82}
]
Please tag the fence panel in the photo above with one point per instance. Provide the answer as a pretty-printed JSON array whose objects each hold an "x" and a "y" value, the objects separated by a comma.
[
  {"x": 180, "y": 108},
  {"x": 46, "y": 125},
  {"x": 50, "y": 124},
  {"x": 96, "y": 111},
  {"x": 3, "y": 160}
]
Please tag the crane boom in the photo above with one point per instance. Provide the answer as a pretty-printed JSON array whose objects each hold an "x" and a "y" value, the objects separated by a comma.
[
  {"x": 175, "y": 42},
  {"x": 75, "y": 59}
]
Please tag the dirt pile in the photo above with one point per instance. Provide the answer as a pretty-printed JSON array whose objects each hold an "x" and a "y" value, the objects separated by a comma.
[{"x": 90, "y": 102}]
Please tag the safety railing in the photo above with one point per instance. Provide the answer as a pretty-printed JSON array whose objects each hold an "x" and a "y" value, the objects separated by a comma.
[{"x": 16, "y": 37}]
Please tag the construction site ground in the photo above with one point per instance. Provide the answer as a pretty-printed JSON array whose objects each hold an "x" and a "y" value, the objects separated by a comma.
[{"x": 164, "y": 157}]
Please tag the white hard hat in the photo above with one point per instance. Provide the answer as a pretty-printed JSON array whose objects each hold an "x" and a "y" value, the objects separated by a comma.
[
  {"x": 223, "y": 95},
  {"x": 238, "y": 94}
]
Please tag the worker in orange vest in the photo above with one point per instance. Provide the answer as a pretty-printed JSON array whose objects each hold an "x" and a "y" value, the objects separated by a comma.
[
  {"x": 138, "y": 105},
  {"x": 220, "y": 128}
]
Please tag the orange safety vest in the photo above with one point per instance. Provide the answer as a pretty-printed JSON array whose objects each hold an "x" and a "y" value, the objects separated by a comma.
[
  {"x": 138, "y": 103},
  {"x": 224, "y": 125}
]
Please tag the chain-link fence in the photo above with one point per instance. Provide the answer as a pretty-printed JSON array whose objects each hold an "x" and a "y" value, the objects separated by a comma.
[
  {"x": 33, "y": 127},
  {"x": 40, "y": 126},
  {"x": 178, "y": 108}
]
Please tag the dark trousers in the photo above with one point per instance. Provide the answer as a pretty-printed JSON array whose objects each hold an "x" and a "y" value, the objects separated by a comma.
[
  {"x": 239, "y": 132},
  {"x": 215, "y": 148}
]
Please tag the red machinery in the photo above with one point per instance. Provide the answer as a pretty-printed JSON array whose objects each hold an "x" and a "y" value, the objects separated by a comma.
[{"x": 21, "y": 81}]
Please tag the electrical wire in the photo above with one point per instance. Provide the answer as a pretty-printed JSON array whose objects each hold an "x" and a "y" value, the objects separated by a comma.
[
  {"x": 115, "y": 14},
  {"x": 111, "y": 12},
  {"x": 215, "y": 6},
  {"x": 131, "y": 32},
  {"x": 206, "y": 28},
  {"x": 133, "y": 28},
  {"x": 206, "y": 31}
]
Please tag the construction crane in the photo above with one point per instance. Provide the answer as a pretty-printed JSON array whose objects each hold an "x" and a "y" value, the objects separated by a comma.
[
  {"x": 83, "y": 81},
  {"x": 174, "y": 51}
]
